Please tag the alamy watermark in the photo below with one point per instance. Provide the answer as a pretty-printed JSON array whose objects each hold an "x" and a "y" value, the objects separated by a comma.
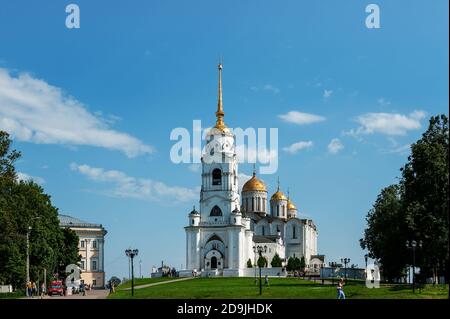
[
  {"x": 250, "y": 145},
  {"x": 373, "y": 276}
]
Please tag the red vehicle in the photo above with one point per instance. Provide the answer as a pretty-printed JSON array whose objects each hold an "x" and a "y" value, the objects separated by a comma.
[{"x": 56, "y": 288}]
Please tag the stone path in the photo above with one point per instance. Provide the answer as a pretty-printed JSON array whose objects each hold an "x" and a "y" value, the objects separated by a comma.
[{"x": 160, "y": 283}]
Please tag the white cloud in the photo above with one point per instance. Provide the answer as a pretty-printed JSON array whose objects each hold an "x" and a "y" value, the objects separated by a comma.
[
  {"x": 335, "y": 146},
  {"x": 124, "y": 186},
  {"x": 301, "y": 118},
  {"x": 25, "y": 177},
  {"x": 387, "y": 123},
  {"x": 296, "y": 147},
  {"x": 33, "y": 110},
  {"x": 402, "y": 150},
  {"x": 327, "y": 93}
]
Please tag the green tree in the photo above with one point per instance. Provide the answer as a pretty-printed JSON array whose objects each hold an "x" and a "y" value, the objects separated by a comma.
[
  {"x": 425, "y": 195},
  {"x": 290, "y": 264},
  {"x": 262, "y": 262},
  {"x": 7, "y": 157},
  {"x": 302, "y": 263},
  {"x": 416, "y": 208},
  {"x": 24, "y": 207},
  {"x": 276, "y": 261},
  {"x": 297, "y": 264},
  {"x": 249, "y": 263},
  {"x": 385, "y": 235}
]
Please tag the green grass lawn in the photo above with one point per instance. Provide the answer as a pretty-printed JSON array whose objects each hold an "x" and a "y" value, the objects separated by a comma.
[
  {"x": 288, "y": 288},
  {"x": 142, "y": 281}
]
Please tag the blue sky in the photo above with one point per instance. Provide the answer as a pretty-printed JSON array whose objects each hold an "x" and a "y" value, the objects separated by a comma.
[{"x": 92, "y": 109}]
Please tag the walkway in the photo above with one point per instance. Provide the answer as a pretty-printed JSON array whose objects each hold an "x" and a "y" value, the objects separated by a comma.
[{"x": 159, "y": 283}]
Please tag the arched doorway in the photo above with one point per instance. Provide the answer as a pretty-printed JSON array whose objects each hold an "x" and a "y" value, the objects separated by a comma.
[{"x": 214, "y": 262}]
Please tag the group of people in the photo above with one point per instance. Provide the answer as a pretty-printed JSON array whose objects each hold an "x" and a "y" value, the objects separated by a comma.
[{"x": 32, "y": 290}]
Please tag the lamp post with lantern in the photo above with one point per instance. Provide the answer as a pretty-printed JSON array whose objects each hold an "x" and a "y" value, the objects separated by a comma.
[
  {"x": 131, "y": 253},
  {"x": 345, "y": 261},
  {"x": 412, "y": 245},
  {"x": 366, "y": 257},
  {"x": 260, "y": 250}
]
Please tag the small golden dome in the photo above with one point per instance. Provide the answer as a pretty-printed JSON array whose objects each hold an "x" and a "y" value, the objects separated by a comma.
[
  {"x": 290, "y": 205},
  {"x": 278, "y": 196},
  {"x": 254, "y": 184}
]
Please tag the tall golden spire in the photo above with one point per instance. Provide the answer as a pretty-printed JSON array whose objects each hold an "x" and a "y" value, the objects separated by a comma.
[{"x": 220, "y": 114}]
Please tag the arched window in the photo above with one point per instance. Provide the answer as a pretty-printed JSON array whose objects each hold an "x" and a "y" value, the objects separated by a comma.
[
  {"x": 263, "y": 230},
  {"x": 216, "y": 211},
  {"x": 253, "y": 204},
  {"x": 294, "y": 235},
  {"x": 235, "y": 177},
  {"x": 246, "y": 204},
  {"x": 278, "y": 211},
  {"x": 217, "y": 177}
]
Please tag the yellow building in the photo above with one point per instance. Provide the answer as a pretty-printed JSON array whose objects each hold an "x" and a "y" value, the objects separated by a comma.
[{"x": 91, "y": 249}]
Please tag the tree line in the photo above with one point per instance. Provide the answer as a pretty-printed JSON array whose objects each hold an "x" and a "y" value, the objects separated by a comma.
[
  {"x": 26, "y": 209},
  {"x": 415, "y": 208}
]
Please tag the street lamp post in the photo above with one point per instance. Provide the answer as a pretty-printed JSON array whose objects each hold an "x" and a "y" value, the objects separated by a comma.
[
  {"x": 333, "y": 266},
  {"x": 28, "y": 252},
  {"x": 366, "y": 257},
  {"x": 131, "y": 253},
  {"x": 345, "y": 261},
  {"x": 412, "y": 245},
  {"x": 260, "y": 250},
  {"x": 254, "y": 262}
]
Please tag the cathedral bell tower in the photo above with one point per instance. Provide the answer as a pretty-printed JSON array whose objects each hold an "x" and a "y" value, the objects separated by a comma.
[{"x": 219, "y": 192}]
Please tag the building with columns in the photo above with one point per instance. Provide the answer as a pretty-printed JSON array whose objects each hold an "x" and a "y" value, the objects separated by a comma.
[
  {"x": 222, "y": 234},
  {"x": 91, "y": 249}
]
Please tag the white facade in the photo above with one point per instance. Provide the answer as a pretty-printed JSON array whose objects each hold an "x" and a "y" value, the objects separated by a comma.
[
  {"x": 221, "y": 236},
  {"x": 90, "y": 248}
]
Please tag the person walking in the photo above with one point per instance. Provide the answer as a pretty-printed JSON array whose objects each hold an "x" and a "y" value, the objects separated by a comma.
[
  {"x": 42, "y": 290},
  {"x": 29, "y": 289},
  {"x": 83, "y": 288},
  {"x": 33, "y": 289},
  {"x": 266, "y": 280},
  {"x": 340, "y": 289}
]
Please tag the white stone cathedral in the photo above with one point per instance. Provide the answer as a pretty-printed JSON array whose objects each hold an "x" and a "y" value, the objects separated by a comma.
[{"x": 222, "y": 236}]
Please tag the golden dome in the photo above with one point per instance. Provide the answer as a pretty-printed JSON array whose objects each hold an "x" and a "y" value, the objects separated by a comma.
[
  {"x": 278, "y": 196},
  {"x": 254, "y": 184},
  {"x": 290, "y": 205}
]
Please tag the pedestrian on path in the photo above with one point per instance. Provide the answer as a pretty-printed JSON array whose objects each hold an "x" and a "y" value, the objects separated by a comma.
[
  {"x": 29, "y": 289},
  {"x": 42, "y": 290},
  {"x": 33, "y": 289},
  {"x": 340, "y": 289}
]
